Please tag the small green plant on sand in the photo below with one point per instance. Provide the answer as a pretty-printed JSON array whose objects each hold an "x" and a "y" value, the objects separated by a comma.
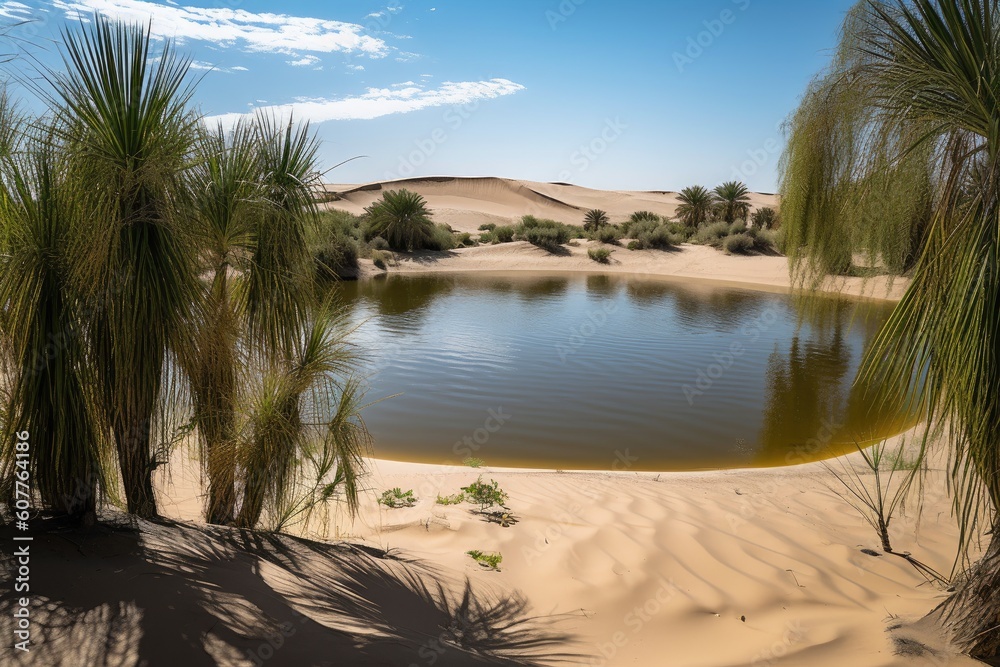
[
  {"x": 600, "y": 255},
  {"x": 485, "y": 495},
  {"x": 454, "y": 499},
  {"x": 396, "y": 498},
  {"x": 487, "y": 560},
  {"x": 474, "y": 462}
]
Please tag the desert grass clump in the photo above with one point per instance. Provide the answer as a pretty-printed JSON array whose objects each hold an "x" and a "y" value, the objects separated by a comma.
[
  {"x": 454, "y": 499},
  {"x": 505, "y": 233},
  {"x": 487, "y": 227},
  {"x": 382, "y": 259},
  {"x": 650, "y": 235},
  {"x": 487, "y": 560},
  {"x": 608, "y": 234},
  {"x": 600, "y": 255},
  {"x": 473, "y": 462},
  {"x": 334, "y": 245},
  {"x": 397, "y": 498},
  {"x": 464, "y": 240},
  {"x": 738, "y": 244}
]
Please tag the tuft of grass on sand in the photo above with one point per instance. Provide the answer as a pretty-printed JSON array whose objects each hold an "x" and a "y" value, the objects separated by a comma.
[
  {"x": 396, "y": 498},
  {"x": 488, "y": 560},
  {"x": 474, "y": 462}
]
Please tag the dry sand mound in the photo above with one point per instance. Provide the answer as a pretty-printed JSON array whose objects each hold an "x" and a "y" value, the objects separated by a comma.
[{"x": 467, "y": 203}]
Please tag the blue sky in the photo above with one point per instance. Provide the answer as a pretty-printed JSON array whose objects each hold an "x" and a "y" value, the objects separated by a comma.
[{"x": 625, "y": 94}]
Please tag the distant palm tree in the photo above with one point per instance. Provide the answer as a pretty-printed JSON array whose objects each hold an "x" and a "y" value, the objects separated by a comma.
[
  {"x": 402, "y": 218},
  {"x": 733, "y": 201},
  {"x": 595, "y": 219},
  {"x": 907, "y": 114},
  {"x": 124, "y": 124},
  {"x": 765, "y": 218},
  {"x": 696, "y": 205}
]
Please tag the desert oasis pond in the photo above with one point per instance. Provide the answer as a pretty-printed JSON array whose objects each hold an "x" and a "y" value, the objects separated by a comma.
[{"x": 580, "y": 372}]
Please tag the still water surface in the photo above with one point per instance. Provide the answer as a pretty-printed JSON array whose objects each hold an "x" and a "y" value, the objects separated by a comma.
[{"x": 599, "y": 372}]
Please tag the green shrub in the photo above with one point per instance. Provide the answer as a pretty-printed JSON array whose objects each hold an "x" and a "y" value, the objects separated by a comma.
[
  {"x": 488, "y": 560},
  {"x": 548, "y": 238},
  {"x": 649, "y": 234},
  {"x": 487, "y": 238},
  {"x": 505, "y": 234},
  {"x": 378, "y": 243},
  {"x": 473, "y": 462},
  {"x": 442, "y": 238},
  {"x": 765, "y": 218},
  {"x": 739, "y": 244},
  {"x": 464, "y": 240},
  {"x": 455, "y": 499},
  {"x": 600, "y": 255},
  {"x": 607, "y": 234},
  {"x": 334, "y": 244},
  {"x": 712, "y": 234},
  {"x": 488, "y": 227},
  {"x": 381, "y": 259},
  {"x": 485, "y": 495},
  {"x": 396, "y": 498}
]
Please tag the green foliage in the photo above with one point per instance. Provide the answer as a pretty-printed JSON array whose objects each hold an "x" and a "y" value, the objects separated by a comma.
[
  {"x": 765, "y": 218},
  {"x": 696, "y": 205},
  {"x": 442, "y": 238},
  {"x": 595, "y": 219},
  {"x": 333, "y": 244},
  {"x": 454, "y": 499},
  {"x": 738, "y": 244},
  {"x": 505, "y": 234},
  {"x": 485, "y": 495},
  {"x": 488, "y": 227},
  {"x": 607, "y": 234},
  {"x": 600, "y": 255},
  {"x": 378, "y": 243},
  {"x": 402, "y": 218},
  {"x": 488, "y": 238},
  {"x": 649, "y": 235},
  {"x": 547, "y": 234},
  {"x": 712, "y": 234},
  {"x": 464, "y": 240},
  {"x": 381, "y": 259},
  {"x": 473, "y": 462},
  {"x": 732, "y": 201},
  {"x": 396, "y": 498},
  {"x": 893, "y": 154},
  {"x": 488, "y": 560}
]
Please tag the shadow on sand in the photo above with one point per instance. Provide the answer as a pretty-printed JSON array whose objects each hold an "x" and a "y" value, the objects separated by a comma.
[{"x": 192, "y": 596}]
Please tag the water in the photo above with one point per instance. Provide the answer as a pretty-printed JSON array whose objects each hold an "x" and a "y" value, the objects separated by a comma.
[{"x": 599, "y": 372}]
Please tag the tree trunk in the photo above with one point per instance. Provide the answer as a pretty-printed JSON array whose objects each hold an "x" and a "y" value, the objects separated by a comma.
[
  {"x": 136, "y": 464},
  {"x": 972, "y": 613}
]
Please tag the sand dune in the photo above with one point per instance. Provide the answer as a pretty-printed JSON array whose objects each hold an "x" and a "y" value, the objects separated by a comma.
[{"x": 467, "y": 203}]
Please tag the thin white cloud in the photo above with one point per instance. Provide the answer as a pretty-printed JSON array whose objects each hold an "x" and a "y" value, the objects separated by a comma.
[
  {"x": 304, "y": 61},
  {"x": 15, "y": 10},
  {"x": 274, "y": 33},
  {"x": 356, "y": 68},
  {"x": 241, "y": 68},
  {"x": 378, "y": 102}
]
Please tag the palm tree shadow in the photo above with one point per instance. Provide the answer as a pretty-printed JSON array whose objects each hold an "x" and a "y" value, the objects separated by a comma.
[{"x": 169, "y": 594}]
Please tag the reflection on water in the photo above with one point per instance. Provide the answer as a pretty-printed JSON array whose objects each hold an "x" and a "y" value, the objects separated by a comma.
[{"x": 595, "y": 372}]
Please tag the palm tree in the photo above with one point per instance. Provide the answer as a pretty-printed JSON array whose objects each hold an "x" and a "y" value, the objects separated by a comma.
[
  {"x": 401, "y": 217},
  {"x": 908, "y": 110},
  {"x": 733, "y": 201},
  {"x": 123, "y": 120},
  {"x": 595, "y": 219},
  {"x": 765, "y": 218},
  {"x": 696, "y": 205}
]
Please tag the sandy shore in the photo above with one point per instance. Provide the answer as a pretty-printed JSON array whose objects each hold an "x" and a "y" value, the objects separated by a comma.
[{"x": 717, "y": 569}]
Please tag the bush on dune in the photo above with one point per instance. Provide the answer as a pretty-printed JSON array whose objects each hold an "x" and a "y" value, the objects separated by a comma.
[
  {"x": 402, "y": 218},
  {"x": 653, "y": 235},
  {"x": 547, "y": 234}
]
